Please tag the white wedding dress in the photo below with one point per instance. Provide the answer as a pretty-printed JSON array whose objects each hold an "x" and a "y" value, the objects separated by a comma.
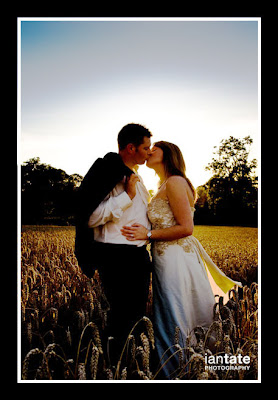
[{"x": 183, "y": 294}]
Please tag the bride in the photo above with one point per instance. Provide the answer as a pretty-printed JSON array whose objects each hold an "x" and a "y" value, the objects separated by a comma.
[{"x": 185, "y": 279}]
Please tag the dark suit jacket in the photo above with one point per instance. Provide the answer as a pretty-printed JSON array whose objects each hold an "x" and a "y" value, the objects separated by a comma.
[{"x": 101, "y": 178}]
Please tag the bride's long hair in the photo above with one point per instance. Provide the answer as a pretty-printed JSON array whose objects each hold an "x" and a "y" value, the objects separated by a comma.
[{"x": 174, "y": 162}]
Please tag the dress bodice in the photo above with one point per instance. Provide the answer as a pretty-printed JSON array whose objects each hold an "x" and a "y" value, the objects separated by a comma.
[
  {"x": 161, "y": 216},
  {"x": 160, "y": 213}
]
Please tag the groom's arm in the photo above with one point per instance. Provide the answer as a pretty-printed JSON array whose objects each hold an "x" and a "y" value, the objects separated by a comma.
[
  {"x": 110, "y": 209},
  {"x": 113, "y": 206}
]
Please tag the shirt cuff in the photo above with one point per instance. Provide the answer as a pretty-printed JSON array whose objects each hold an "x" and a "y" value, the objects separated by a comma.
[{"x": 124, "y": 201}]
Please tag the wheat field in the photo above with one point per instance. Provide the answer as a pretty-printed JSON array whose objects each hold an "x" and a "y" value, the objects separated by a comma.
[{"x": 63, "y": 314}]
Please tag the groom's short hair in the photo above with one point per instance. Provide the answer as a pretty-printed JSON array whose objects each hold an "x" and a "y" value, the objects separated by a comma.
[{"x": 132, "y": 133}]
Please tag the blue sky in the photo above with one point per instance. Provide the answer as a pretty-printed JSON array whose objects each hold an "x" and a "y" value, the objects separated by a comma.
[{"x": 190, "y": 82}]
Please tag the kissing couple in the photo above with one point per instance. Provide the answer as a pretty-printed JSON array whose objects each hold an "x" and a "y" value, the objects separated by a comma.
[{"x": 116, "y": 220}]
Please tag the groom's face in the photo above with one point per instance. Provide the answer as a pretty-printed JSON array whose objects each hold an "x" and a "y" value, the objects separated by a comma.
[{"x": 143, "y": 152}]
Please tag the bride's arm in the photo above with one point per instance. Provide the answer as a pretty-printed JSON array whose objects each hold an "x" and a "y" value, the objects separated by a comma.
[{"x": 177, "y": 193}]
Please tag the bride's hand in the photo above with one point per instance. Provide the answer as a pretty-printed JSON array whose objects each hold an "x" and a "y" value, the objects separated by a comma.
[{"x": 135, "y": 232}]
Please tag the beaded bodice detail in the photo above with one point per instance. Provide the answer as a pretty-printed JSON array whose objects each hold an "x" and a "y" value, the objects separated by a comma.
[{"x": 161, "y": 216}]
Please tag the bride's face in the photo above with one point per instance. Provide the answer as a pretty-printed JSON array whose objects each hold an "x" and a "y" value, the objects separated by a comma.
[{"x": 155, "y": 158}]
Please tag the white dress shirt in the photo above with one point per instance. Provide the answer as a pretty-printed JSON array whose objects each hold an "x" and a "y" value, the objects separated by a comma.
[{"x": 117, "y": 210}]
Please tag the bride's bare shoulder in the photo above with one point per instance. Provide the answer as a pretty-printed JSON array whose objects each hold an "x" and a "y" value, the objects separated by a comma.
[
  {"x": 179, "y": 185},
  {"x": 176, "y": 180}
]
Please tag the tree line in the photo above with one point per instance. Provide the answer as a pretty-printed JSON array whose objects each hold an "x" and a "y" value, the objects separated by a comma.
[
  {"x": 48, "y": 195},
  {"x": 229, "y": 197}
]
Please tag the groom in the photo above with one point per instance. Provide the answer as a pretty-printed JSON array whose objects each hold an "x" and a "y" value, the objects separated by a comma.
[{"x": 113, "y": 195}]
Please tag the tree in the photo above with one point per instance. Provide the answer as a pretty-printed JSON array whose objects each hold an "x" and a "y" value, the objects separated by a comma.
[
  {"x": 203, "y": 215},
  {"x": 47, "y": 193},
  {"x": 232, "y": 161},
  {"x": 231, "y": 193}
]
